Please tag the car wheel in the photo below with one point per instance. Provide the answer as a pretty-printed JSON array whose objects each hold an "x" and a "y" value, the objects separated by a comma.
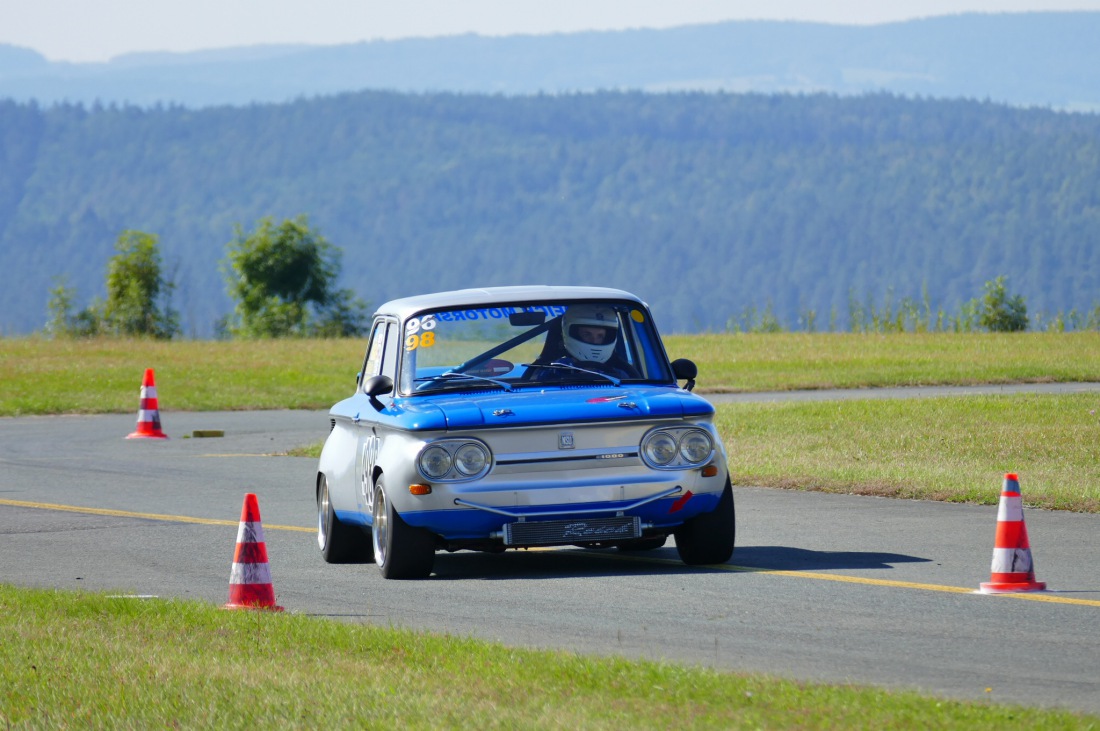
[
  {"x": 339, "y": 542},
  {"x": 709, "y": 538},
  {"x": 400, "y": 550}
]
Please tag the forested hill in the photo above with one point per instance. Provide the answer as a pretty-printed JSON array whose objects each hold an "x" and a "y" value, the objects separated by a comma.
[
  {"x": 703, "y": 204},
  {"x": 1048, "y": 59}
]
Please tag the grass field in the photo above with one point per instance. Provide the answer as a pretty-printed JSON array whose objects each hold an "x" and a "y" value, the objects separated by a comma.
[
  {"x": 104, "y": 375},
  {"x": 785, "y": 361},
  {"x": 126, "y": 663},
  {"x": 953, "y": 448}
]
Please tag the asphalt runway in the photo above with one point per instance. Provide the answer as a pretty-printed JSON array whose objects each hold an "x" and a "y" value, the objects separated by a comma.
[{"x": 821, "y": 587}]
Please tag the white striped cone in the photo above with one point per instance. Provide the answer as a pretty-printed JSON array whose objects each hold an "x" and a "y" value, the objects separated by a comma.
[
  {"x": 148, "y": 419},
  {"x": 1013, "y": 570},
  {"x": 250, "y": 579}
]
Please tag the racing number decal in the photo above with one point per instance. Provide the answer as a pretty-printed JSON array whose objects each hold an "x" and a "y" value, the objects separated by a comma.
[
  {"x": 368, "y": 456},
  {"x": 423, "y": 340},
  {"x": 418, "y": 332}
]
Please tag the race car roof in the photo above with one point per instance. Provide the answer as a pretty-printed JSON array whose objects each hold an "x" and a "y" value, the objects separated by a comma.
[{"x": 486, "y": 296}]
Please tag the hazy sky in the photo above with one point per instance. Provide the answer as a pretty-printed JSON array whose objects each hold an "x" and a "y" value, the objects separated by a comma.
[{"x": 96, "y": 30}]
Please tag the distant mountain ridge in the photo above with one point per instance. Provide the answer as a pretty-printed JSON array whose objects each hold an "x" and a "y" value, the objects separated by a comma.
[{"x": 1045, "y": 59}]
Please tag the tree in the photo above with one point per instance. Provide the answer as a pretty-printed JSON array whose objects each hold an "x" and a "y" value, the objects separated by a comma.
[
  {"x": 281, "y": 278},
  {"x": 62, "y": 322},
  {"x": 60, "y": 306},
  {"x": 999, "y": 312},
  {"x": 344, "y": 316},
  {"x": 135, "y": 285}
]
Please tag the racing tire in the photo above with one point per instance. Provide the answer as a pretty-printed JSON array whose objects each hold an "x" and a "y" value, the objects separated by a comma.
[
  {"x": 709, "y": 538},
  {"x": 339, "y": 542},
  {"x": 400, "y": 550}
]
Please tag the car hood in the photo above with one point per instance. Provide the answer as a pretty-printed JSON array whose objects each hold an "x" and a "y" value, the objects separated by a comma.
[{"x": 550, "y": 406}]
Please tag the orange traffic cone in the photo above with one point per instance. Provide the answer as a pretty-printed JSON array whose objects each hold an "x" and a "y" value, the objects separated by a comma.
[
  {"x": 250, "y": 580},
  {"x": 1013, "y": 569},
  {"x": 148, "y": 420}
]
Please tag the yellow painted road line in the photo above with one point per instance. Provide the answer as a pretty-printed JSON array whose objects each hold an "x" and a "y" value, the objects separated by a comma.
[
  {"x": 1048, "y": 596},
  {"x": 1051, "y": 597},
  {"x": 144, "y": 516}
]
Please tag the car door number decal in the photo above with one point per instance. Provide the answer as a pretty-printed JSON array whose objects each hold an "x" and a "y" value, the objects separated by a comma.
[{"x": 368, "y": 458}]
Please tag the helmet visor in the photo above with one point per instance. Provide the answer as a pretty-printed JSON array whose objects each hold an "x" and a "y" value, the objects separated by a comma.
[{"x": 593, "y": 334}]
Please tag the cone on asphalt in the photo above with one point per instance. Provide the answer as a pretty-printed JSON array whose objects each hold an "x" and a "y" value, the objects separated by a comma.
[
  {"x": 148, "y": 419},
  {"x": 1013, "y": 570},
  {"x": 250, "y": 579}
]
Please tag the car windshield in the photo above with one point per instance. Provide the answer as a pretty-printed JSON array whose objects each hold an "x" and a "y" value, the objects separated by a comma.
[{"x": 517, "y": 345}]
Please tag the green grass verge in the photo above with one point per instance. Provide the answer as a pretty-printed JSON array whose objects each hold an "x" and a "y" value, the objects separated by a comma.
[
  {"x": 784, "y": 361},
  {"x": 104, "y": 375},
  {"x": 953, "y": 448},
  {"x": 78, "y": 660}
]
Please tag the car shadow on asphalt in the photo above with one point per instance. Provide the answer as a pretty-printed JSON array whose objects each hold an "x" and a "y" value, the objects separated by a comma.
[
  {"x": 575, "y": 562},
  {"x": 556, "y": 563},
  {"x": 788, "y": 558}
]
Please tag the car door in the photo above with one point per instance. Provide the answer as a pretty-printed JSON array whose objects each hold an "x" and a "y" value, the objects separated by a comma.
[{"x": 381, "y": 359}]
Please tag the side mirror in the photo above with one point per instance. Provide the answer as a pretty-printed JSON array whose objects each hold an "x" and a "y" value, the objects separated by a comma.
[
  {"x": 377, "y": 386},
  {"x": 685, "y": 370}
]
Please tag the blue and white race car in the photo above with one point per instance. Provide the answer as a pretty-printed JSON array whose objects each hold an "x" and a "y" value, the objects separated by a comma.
[{"x": 513, "y": 417}]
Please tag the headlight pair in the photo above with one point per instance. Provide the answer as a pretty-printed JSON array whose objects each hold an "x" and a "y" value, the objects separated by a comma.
[
  {"x": 677, "y": 448},
  {"x": 454, "y": 459}
]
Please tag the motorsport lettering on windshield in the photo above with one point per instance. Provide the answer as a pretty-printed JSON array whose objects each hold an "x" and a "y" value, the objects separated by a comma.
[{"x": 497, "y": 313}]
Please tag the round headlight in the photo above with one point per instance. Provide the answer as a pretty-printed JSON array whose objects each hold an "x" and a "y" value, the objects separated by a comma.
[
  {"x": 470, "y": 459},
  {"x": 435, "y": 462},
  {"x": 660, "y": 449},
  {"x": 695, "y": 446}
]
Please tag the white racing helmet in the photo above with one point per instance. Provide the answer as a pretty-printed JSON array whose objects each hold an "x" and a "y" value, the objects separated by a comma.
[{"x": 590, "y": 332}]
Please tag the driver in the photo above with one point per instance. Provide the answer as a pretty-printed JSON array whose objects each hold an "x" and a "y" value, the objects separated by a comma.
[{"x": 590, "y": 333}]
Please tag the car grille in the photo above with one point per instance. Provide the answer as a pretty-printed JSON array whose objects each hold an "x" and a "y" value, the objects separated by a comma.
[{"x": 565, "y": 532}]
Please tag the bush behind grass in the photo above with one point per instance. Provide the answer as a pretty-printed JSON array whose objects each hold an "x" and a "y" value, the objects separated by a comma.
[{"x": 78, "y": 660}]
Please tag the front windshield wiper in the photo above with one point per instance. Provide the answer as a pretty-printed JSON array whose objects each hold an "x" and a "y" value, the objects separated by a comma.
[
  {"x": 578, "y": 369},
  {"x": 451, "y": 376}
]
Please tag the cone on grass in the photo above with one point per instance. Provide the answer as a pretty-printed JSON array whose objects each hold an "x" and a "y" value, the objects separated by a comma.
[
  {"x": 148, "y": 419},
  {"x": 250, "y": 579},
  {"x": 1013, "y": 570}
]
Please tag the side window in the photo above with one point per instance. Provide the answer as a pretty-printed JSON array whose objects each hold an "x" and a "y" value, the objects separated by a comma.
[
  {"x": 373, "y": 364},
  {"x": 389, "y": 355}
]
